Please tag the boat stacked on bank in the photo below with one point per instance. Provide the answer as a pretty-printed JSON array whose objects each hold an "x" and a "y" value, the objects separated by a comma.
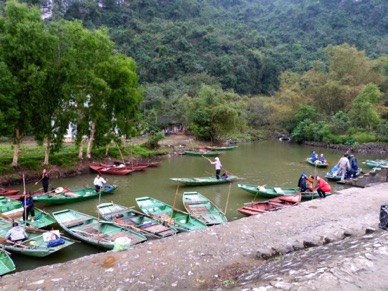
[{"x": 376, "y": 163}]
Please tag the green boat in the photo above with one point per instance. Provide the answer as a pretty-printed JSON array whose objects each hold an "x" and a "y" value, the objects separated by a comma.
[
  {"x": 94, "y": 231},
  {"x": 202, "y": 208},
  {"x": 203, "y": 180},
  {"x": 205, "y": 154},
  {"x": 272, "y": 192},
  {"x": 35, "y": 246},
  {"x": 133, "y": 219},
  {"x": 225, "y": 148},
  {"x": 12, "y": 210},
  {"x": 337, "y": 177},
  {"x": 74, "y": 195},
  {"x": 6, "y": 263},
  {"x": 375, "y": 163},
  {"x": 166, "y": 214},
  {"x": 318, "y": 165}
]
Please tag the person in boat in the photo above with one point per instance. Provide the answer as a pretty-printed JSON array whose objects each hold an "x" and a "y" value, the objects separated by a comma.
[
  {"x": 99, "y": 182},
  {"x": 321, "y": 160},
  {"x": 218, "y": 166},
  {"x": 343, "y": 166},
  {"x": 45, "y": 180},
  {"x": 323, "y": 187},
  {"x": 302, "y": 182},
  {"x": 313, "y": 157},
  {"x": 119, "y": 166},
  {"x": 16, "y": 233},
  {"x": 224, "y": 176},
  {"x": 28, "y": 206}
]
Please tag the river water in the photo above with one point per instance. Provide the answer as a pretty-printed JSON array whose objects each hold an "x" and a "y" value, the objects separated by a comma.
[{"x": 273, "y": 163}]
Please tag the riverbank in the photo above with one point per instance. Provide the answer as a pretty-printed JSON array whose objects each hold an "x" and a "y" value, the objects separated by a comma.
[{"x": 286, "y": 250}]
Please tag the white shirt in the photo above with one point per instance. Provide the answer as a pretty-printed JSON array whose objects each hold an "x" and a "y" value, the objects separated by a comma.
[
  {"x": 99, "y": 181},
  {"x": 218, "y": 164}
]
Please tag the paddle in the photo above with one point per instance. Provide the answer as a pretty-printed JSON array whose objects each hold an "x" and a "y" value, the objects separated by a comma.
[
  {"x": 5, "y": 240},
  {"x": 227, "y": 199},
  {"x": 137, "y": 229}
]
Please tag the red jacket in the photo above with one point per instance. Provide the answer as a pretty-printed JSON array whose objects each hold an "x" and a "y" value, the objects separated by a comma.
[{"x": 324, "y": 186}]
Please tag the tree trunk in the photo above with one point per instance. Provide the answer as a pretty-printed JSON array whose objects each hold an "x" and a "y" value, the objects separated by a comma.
[
  {"x": 17, "y": 147},
  {"x": 89, "y": 149},
  {"x": 47, "y": 152},
  {"x": 107, "y": 150},
  {"x": 81, "y": 152}
]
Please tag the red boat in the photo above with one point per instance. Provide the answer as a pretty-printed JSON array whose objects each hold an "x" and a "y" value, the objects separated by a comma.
[
  {"x": 147, "y": 164},
  {"x": 8, "y": 192},
  {"x": 255, "y": 208},
  {"x": 38, "y": 193},
  {"x": 111, "y": 170},
  {"x": 127, "y": 167}
]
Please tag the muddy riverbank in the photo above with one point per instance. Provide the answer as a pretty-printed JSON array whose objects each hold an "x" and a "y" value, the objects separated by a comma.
[{"x": 307, "y": 247}]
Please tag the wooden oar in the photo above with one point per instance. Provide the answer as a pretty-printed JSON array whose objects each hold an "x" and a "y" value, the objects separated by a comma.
[{"x": 5, "y": 240}]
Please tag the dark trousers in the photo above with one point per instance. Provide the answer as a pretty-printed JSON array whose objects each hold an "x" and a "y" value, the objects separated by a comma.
[
  {"x": 218, "y": 174},
  {"x": 27, "y": 211},
  {"x": 45, "y": 187},
  {"x": 97, "y": 188},
  {"x": 321, "y": 193}
]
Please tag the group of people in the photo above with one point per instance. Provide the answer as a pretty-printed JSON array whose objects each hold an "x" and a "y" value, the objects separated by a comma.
[
  {"x": 317, "y": 159},
  {"x": 306, "y": 185},
  {"x": 347, "y": 167}
]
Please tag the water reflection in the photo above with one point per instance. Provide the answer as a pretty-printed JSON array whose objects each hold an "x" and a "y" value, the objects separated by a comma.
[{"x": 272, "y": 163}]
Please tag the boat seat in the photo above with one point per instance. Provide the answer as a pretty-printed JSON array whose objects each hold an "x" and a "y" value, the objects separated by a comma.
[
  {"x": 76, "y": 222},
  {"x": 276, "y": 203},
  {"x": 278, "y": 190}
]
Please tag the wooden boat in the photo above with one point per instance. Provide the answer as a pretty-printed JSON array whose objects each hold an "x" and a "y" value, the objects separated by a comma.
[
  {"x": 6, "y": 263},
  {"x": 132, "y": 219},
  {"x": 93, "y": 231},
  {"x": 131, "y": 167},
  {"x": 38, "y": 193},
  {"x": 273, "y": 192},
  {"x": 167, "y": 214},
  {"x": 205, "y": 154},
  {"x": 221, "y": 148},
  {"x": 268, "y": 192},
  {"x": 375, "y": 163},
  {"x": 202, "y": 208},
  {"x": 110, "y": 170},
  {"x": 8, "y": 192},
  {"x": 13, "y": 210},
  {"x": 255, "y": 208},
  {"x": 147, "y": 164},
  {"x": 74, "y": 195},
  {"x": 203, "y": 180},
  {"x": 34, "y": 246},
  {"x": 337, "y": 177},
  {"x": 318, "y": 165}
]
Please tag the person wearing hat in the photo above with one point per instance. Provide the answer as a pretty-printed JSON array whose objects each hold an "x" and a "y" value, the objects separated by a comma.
[
  {"x": 28, "y": 206},
  {"x": 16, "y": 233},
  {"x": 218, "y": 166}
]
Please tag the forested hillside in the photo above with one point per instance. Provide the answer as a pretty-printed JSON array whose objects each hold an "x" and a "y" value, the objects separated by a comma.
[{"x": 243, "y": 44}]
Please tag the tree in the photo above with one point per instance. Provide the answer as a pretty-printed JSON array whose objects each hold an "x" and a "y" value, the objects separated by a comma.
[{"x": 25, "y": 49}]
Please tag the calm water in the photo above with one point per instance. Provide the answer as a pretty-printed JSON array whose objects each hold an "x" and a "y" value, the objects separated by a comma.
[{"x": 273, "y": 163}]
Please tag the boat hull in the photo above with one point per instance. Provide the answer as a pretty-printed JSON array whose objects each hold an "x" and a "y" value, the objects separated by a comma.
[{"x": 203, "y": 181}]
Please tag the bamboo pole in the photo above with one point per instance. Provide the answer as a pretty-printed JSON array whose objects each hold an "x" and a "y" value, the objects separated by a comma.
[
  {"x": 173, "y": 205},
  {"x": 227, "y": 199}
]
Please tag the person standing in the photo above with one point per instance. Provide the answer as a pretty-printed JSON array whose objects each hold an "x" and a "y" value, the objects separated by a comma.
[
  {"x": 45, "y": 180},
  {"x": 218, "y": 166},
  {"x": 343, "y": 166},
  {"x": 302, "y": 183},
  {"x": 28, "y": 206},
  {"x": 353, "y": 166},
  {"x": 322, "y": 187},
  {"x": 98, "y": 183}
]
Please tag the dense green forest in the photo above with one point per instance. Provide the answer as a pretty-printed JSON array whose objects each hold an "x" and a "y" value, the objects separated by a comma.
[{"x": 315, "y": 69}]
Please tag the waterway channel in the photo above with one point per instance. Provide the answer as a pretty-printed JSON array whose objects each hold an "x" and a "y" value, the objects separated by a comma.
[{"x": 273, "y": 163}]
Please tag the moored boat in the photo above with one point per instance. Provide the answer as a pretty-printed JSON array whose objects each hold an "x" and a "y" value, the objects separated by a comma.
[
  {"x": 375, "y": 163},
  {"x": 12, "y": 210},
  {"x": 317, "y": 164},
  {"x": 165, "y": 213},
  {"x": 202, "y": 208},
  {"x": 133, "y": 219},
  {"x": 277, "y": 203},
  {"x": 36, "y": 245},
  {"x": 110, "y": 170},
  {"x": 268, "y": 192},
  {"x": 132, "y": 167},
  {"x": 74, "y": 195},
  {"x": 8, "y": 192},
  {"x": 94, "y": 231},
  {"x": 6, "y": 263},
  {"x": 204, "y": 180},
  {"x": 205, "y": 154},
  {"x": 38, "y": 193},
  {"x": 336, "y": 177},
  {"x": 221, "y": 148}
]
